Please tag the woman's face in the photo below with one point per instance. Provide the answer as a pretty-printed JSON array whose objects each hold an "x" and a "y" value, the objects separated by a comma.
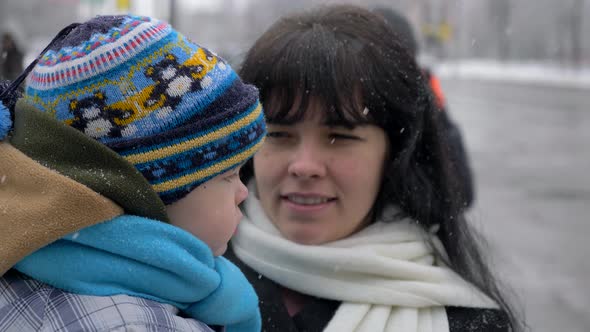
[{"x": 317, "y": 183}]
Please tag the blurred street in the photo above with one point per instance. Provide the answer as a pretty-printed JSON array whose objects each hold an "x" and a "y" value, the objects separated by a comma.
[{"x": 529, "y": 150}]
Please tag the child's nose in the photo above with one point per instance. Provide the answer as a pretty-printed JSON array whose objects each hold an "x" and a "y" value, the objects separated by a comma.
[{"x": 242, "y": 193}]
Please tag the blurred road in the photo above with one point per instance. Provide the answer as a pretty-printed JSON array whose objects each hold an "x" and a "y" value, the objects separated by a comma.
[{"x": 530, "y": 150}]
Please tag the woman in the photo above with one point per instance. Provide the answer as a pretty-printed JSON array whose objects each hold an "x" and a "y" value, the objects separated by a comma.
[{"x": 354, "y": 223}]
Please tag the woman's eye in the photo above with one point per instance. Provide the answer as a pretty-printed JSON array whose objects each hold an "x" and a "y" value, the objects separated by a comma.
[
  {"x": 339, "y": 136},
  {"x": 277, "y": 134}
]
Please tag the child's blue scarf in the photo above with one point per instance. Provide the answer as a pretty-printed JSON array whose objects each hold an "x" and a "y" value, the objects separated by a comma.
[{"x": 150, "y": 259}]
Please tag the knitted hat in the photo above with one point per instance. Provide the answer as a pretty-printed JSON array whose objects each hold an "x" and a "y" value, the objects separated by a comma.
[{"x": 172, "y": 108}]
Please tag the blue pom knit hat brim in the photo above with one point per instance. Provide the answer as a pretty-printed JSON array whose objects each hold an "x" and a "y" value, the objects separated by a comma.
[{"x": 172, "y": 108}]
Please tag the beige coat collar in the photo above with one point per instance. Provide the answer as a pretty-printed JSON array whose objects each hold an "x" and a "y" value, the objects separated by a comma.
[{"x": 39, "y": 206}]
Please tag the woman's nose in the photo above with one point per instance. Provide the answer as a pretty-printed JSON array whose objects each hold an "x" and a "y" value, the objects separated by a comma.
[{"x": 307, "y": 161}]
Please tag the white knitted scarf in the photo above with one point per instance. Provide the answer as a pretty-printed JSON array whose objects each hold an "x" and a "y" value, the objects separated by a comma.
[{"x": 385, "y": 275}]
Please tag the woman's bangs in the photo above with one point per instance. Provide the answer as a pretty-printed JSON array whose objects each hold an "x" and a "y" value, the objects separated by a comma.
[{"x": 314, "y": 72}]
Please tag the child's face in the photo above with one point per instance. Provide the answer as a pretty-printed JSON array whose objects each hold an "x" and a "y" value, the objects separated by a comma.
[{"x": 210, "y": 211}]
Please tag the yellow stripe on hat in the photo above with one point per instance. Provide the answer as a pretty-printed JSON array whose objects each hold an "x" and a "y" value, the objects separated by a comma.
[
  {"x": 168, "y": 151},
  {"x": 203, "y": 173}
]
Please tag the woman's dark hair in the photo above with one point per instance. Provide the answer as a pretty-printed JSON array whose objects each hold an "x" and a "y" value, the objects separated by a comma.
[
  {"x": 400, "y": 26},
  {"x": 338, "y": 54}
]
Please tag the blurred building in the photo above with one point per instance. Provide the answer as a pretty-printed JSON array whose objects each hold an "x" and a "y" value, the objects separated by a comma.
[{"x": 538, "y": 30}]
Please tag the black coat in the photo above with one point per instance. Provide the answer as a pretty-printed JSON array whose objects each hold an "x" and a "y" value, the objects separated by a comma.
[{"x": 316, "y": 314}]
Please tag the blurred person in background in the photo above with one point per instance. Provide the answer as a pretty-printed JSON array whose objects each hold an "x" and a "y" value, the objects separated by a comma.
[
  {"x": 11, "y": 58},
  {"x": 120, "y": 184},
  {"x": 355, "y": 221},
  {"x": 403, "y": 28}
]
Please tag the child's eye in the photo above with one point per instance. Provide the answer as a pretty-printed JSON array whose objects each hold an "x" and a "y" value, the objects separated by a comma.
[
  {"x": 235, "y": 174},
  {"x": 232, "y": 177}
]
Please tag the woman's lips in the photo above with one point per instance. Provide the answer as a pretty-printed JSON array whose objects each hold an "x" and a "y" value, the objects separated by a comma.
[
  {"x": 307, "y": 203},
  {"x": 307, "y": 199}
]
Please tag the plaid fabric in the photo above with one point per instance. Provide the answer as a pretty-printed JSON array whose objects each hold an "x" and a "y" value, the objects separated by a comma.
[{"x": 29, "y": 305}]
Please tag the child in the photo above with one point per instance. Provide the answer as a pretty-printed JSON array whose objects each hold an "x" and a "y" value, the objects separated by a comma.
[{"x": 119, "y": 184}]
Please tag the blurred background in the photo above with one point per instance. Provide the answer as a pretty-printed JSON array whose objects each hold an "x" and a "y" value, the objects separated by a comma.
[
  {"x": 548, "y": 31},
  {"x": 516, "y": 75}
]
